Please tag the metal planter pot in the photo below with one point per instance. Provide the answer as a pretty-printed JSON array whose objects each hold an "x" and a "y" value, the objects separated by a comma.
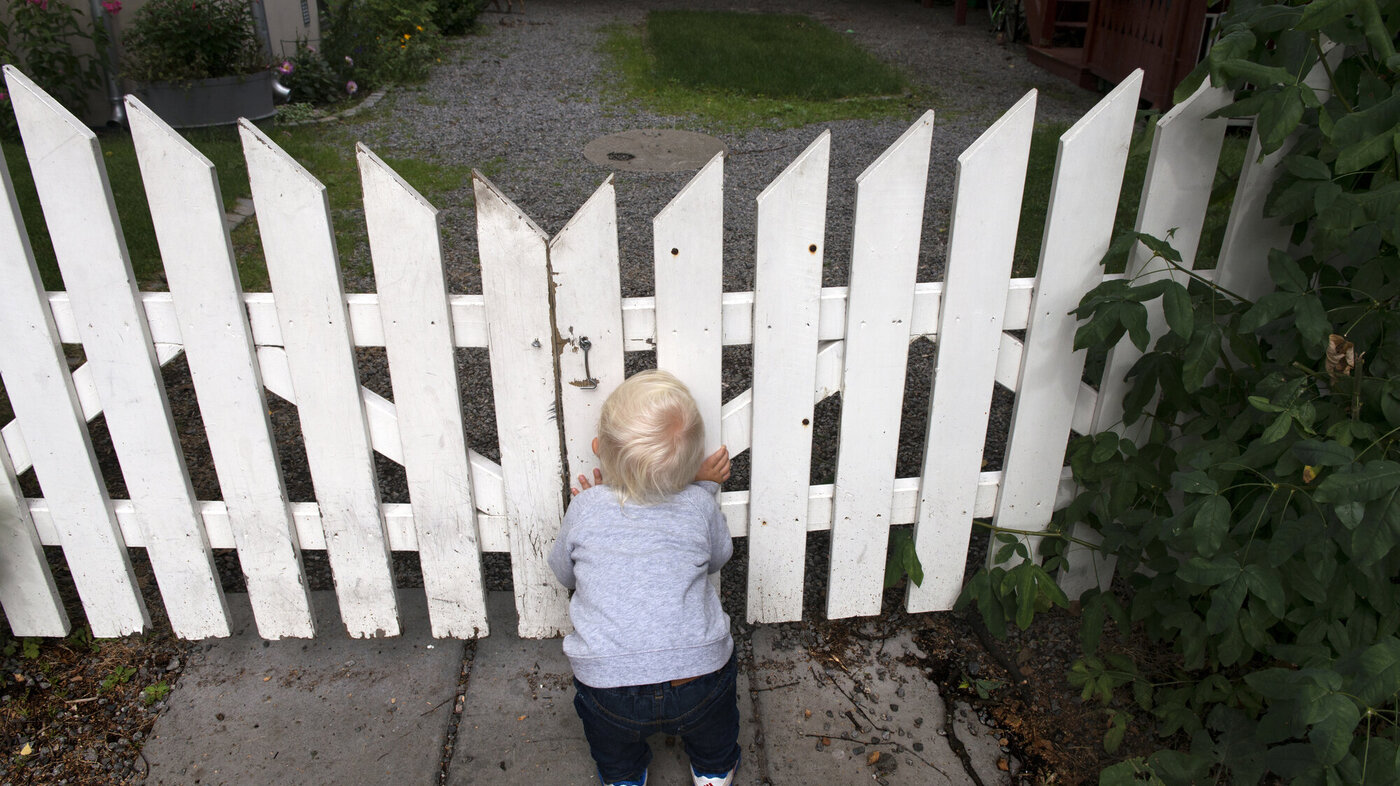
[{"x": 210, "y": 102}]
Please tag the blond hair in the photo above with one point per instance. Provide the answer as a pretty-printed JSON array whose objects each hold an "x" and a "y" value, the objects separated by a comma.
[{"x": 651, "y": 438}]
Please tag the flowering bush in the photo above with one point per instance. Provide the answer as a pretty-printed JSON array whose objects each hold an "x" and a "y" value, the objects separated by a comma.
[
  {"x": 181, "y": 40},
  {"x": 389, "y": 40},
  {"x": 39, "y": 41},
  {"x": 314, "y": 78}
]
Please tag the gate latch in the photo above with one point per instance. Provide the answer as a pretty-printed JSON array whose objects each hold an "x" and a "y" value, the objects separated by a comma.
[{"x": 588, "y": 383}]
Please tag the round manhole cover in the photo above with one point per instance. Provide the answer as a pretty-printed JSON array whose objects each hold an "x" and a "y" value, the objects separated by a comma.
[{"x": 653, "y": 150}]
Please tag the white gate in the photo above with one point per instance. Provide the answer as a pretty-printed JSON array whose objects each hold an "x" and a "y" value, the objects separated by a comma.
[{"x": 298, "y": 341}]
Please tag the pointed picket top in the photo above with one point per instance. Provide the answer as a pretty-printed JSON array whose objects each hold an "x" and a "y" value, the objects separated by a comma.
[
  {"x": 699, "y": 187},
  {"x": 913, "y": 142},
  {"x": 487, "y": 194},
  {"x": 372, "y": 164},
  {"x": 583, "y": 259},
  {"x": 263, "y": 153},
  {"x": 811, "y": 162},
  {"x": 146, "y": 124},
  {"x": 1011, "y": 124},
  {"x": 598, "y": 204}
]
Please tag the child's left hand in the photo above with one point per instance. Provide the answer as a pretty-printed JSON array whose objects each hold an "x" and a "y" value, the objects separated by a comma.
[
  {"x": 715, "y": 467},
  {"x": 585, "y": 485}
]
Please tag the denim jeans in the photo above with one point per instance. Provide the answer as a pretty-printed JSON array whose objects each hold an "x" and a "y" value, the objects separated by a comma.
[{"x": 703, "y": 712}]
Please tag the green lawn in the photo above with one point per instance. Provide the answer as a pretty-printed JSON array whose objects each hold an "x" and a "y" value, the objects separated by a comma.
[{"x": 744, "y": 70}]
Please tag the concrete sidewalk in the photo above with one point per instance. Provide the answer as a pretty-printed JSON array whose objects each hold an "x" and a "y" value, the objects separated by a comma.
[{"x": 333, "y": 710}]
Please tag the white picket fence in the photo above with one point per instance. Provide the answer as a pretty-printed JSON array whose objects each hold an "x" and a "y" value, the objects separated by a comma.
[{"x": 298, "y": 341}]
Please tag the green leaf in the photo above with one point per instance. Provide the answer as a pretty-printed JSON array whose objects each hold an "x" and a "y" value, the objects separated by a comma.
[
  {"x": 1371, "y": 481},
  {"x": 1025, "y": 593},
  {"x": 1199, "y": 570},
  {"x": 1278, "y": 429},
  {"x": 1210, "y": 526},
  {"x": 1159, "y": 247},
  {"x": 1267, "y": 309},
  {"x": 1367, "y": 135},
  {"x": 1377, "y": 673},
  {"x": 1305, "y": 168},
  {"x": 1286, "y": 273},
  {"x": 1279, "y": 117},
  {"x": 1117, "y": 728},
  {"x": 1194, "y": 482},
  {"x": 1331, "y": 733},
  {"x": 1105, "y": 447},
  {"x": 1201, "y": 355},
  {"x": 1320, "y": 13},
  {"x": 1323, "y": 454},
  {"x": 1267, "y": 585},
  {"x": 1225, "y": 602},
  {"x": 1312, "y": 320},
  {"x": 1176, "y": 305}
]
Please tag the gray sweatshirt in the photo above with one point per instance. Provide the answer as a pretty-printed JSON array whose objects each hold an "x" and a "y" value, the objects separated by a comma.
[{"x": 643, "y": 609}]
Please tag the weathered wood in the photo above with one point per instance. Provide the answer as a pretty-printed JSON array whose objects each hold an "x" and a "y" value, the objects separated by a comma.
[
  {"x": 408, "y": 271},
  {"x": 787, "y": 284},
  {"x": 294, "y": 219},
  {"x": 187, "y": 210},
  {"x": 981, "y": 246},
  {"x": 515, "y": 282},
  {"x": 688, "y": 241},
  {"x": 71, "y": 182},
  {"x": 27, "y": 591},
  {"x": 587, "y": 307},
  {"x": 1078, "y": 227},
  {"x": 884, "y": 263}
]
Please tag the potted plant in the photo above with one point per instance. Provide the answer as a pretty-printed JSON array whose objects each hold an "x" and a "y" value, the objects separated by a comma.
[{"x": 198, "y": 62}]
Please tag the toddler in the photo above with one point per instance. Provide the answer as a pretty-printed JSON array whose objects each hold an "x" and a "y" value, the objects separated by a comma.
[{"x": 651, "y": 650}]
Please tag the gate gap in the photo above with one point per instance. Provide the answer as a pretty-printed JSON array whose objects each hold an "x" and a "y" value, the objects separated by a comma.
[
  {"x": 372, "y": 366},
  {"x": 478, "y": 401},
  {"x": 291, "y": 451},
  {"x": 189, "y": 424}
]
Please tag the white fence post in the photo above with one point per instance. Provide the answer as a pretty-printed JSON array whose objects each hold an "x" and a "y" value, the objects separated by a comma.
[
  {"x": 72, "y": 185},
  {"x": 294, "y": 219},
  {"x": 515, "y": 281},
  {"x": 1078, "y": 229},
  {"x": 27, "y": 591},
  {"x": 187, "y": 211},
  {"x": 880, "y": 302},
  {"x": 787, "y": 288},
  {"x": 587, "y": 307},
  {"x": 408, "y": 271},
  {"x": 981, "y": 247}
]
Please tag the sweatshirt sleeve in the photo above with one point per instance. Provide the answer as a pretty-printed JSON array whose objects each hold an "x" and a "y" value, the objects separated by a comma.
[
  {"x": 721, "y": 543},
  {"x": 561, "y": 560}
]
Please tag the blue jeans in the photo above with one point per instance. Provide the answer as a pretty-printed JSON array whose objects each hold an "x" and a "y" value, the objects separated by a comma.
[{"x": 703, "y": 712}]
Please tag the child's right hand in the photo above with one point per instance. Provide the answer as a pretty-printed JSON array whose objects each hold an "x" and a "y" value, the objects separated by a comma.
[
  {"x": 585, "y": 485},
  {"x": 715, "y": 468}
]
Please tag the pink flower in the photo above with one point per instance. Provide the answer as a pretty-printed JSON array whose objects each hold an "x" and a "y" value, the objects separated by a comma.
[
  {"x": 348, "y": 61},
  {"x": 44, "y": 4},
  {"x": 351, "y": 87},
  {"x": 112, "y": 6},
  {"x": 286, "y": 68}
]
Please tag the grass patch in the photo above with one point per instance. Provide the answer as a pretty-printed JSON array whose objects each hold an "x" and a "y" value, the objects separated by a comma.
[
  {"x": 747, "y": 70},
  {"x": 1040, "y": 173},
  {"x": 328, "y": 152}
]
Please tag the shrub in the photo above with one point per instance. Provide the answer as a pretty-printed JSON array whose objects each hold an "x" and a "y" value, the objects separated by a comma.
[
  {"x": 182, "y": 40},
  {"x": 313, "y": 78},
  {"x": 1257, "y": 521},
  {"x": 456, "y": 17},
  {"x": 389, "y": 41},
  {"x": 39, "y": 40}
]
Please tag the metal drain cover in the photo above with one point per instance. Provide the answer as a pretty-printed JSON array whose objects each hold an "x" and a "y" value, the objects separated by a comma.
[{"x": 653, "y": 150}]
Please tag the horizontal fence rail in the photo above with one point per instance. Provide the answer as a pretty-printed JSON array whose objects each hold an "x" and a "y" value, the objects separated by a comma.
[{"x": 298, "y": 341}]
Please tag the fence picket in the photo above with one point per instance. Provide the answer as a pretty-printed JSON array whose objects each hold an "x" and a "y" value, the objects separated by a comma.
[
  {"x": 72, "y": 185},
  {"x": 515, "y": 281},
  {"x": 587, "y": 305},
  {"x": 688, "y": 240},
  {"x": 294, "y": 219},
  {"x": 27, "y": 591},
  {"x": 787, "y": 284},
  {"x": 879, "y": 305},
  {"x": 187, "y": 210},
  {"x": 408, "y": 271},
  {"x": 1078, "y": 227},
  {"x": 981, "y": 245}
]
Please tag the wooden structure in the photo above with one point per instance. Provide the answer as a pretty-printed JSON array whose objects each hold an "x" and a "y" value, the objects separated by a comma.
[{"x": 298, "y": 342}]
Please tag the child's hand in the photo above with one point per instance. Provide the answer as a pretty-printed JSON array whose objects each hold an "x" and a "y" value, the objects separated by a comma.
[
  {"x": 598, "y": 481},
  {"x": 715, "y": 468}
]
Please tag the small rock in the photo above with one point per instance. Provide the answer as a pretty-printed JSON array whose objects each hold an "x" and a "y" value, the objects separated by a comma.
[
  {"x": 1003, "y": 765},
  {"x": 918, "y": 722},
  {"x": 173, "y": 665},
  {"x": 90, "y": 754},
  {"x": 857, "y": 750},
  {"x": 918, "y": 747},
  {"x": 894, "y": 708}
]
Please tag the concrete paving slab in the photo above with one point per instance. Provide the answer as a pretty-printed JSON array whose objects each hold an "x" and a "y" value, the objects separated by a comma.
[
  {"x": 653, "y": 150},
  {"x": 857, "y": 713},
  {"x": 329, "y": 710},
  {"x": 519, "y": 725}
]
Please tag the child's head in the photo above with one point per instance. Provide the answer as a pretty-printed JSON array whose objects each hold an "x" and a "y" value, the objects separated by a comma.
[{"x": 651, "y": 438}]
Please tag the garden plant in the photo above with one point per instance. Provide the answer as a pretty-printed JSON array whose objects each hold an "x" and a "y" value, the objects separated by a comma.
[{"x": 1256, "y": 520}]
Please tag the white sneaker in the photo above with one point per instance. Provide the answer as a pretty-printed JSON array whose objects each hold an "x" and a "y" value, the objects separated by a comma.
[
  {"x": 722, "y": 779},
  {"x": 642, "y": 782}
]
